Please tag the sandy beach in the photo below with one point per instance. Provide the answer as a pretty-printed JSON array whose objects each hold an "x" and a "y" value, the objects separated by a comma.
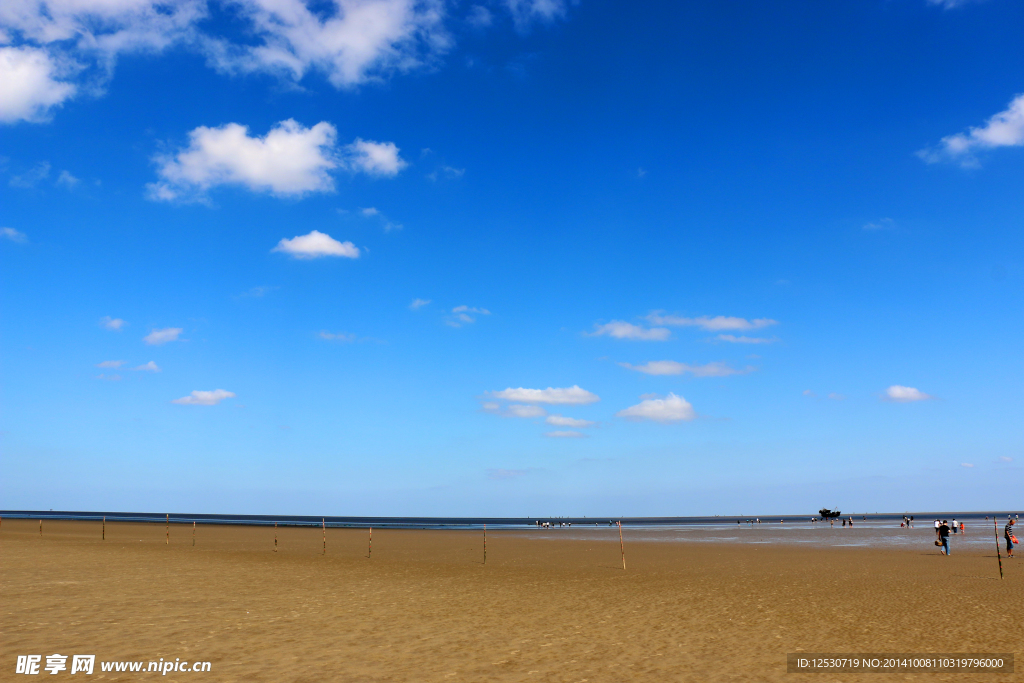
[{"x": 425, "y": 607}]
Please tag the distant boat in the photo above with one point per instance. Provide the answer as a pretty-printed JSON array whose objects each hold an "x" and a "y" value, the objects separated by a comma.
[{"x": 826, "y": 513}]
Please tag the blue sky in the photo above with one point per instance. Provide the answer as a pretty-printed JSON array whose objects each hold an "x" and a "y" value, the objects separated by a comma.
[{"x": 526, "y": 257}]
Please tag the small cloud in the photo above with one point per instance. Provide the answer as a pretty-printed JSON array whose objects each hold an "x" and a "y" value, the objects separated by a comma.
[
  {"x": 204, "y": 398},
  {"x": 562, "y": 421},
  {"x": 1005, "y": 458},
  {"x": 151, "y": 366},
  {"x": 67, "y": 179},
  {"x": 14, "y": 235},
  {"x": 31, "y": 177},
  {"x": 109, "y": 378},
  {"x": 619, "y": 329},
  {"x": 567, "y": 434},
  {"x": 417, "y": 304},
  {"x": 500, "y": 474},
  {"x": 158, "y": 337},
  {"x": 900, "y": 394},
  {"x": 463, "y": 315},
  {"x": 880, "y": 224},
  {"x": 733, "y": 339},
  {"x": 573, "y": 395},
  {"x": 836, "y": 397},
  {"x": 372, "y": 212},
  {"x": 519, "y": 410},
  {"x": 375, "y": 158},
  {"x": 672, "y": 408},
  {"x": 641, "y": 172},
  {"x": 315, "y": 245},
  {"x": 966, "y": 464},
  {"x": 446, "y": 173},
  {"x": 113, "y": 364},
  {"x": 808, "y": 392},
  {"x": 671, "y": 367},
  {"x": 337, "y": 336},
  {"x": 717, "y": 323},
  {"x": 1004, "y": 129},
  {"x": 369, "y": 211},
  {"x": 479, "y": 16},
  {"x": 114, "y": 324}
]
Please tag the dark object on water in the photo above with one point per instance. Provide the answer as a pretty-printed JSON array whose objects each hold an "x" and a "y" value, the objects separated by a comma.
[{"x": 827, "y": 514}]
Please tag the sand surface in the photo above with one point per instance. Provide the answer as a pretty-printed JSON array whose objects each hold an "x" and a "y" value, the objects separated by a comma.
[{"x": 425, "y": 607}]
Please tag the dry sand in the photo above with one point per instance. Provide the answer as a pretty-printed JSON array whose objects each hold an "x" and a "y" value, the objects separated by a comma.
[{"x": 425, "y": 607}]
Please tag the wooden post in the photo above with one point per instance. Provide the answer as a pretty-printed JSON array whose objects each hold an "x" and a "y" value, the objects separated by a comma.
[
  {"x": 104, "y": 527},
  {"x": 622, "y": 547},
  {"x": 995, "y": 527},
  {"x": 167, "y": 540},
  {"x": 369, "y": 552},
  {"x": 275, "y": 537},
  {"x": 485, "y": 544},
  {"x": 193, "y": 533},
  {"x": 322, "y": 522},
  {"x": 41, "y": 529}
]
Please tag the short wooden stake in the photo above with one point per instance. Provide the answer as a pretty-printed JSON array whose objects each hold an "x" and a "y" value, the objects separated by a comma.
[
  {"x": 104, "y": 527},
  {"x": 41, "y": 528},
  {"x": 485, "y": 544},
  {"x": 622, "y": 548},
  {"x": 999, "y": 556},
  {"x": 167, "y": 540},
  {"x": 369, "y": 551},
  {"x": 322, "y": 522},
  {"x": 193, "y": 534},
  {"x": 275, "y": 537}
]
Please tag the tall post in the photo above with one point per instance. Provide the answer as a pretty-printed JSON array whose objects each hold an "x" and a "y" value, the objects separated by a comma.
[
  {"x": 275, "y": 537},
  {"x": 167, "y": 521},
  {"x": 622, "y": 547},
  {"x": 324, "y": 524},
  {"x": 193, "y": 533},
  {"x": 369, "y": 550},
  {"x": 41, "y": 529},
  {"x": 104, "y": 527},
  {"x": 485, "y": 544},
  {"x": 995, "y": 528}
]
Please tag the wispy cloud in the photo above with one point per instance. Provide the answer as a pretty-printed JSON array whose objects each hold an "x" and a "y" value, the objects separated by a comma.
[
  {"x": 565, "y": 434},
  {"x": 446, "y": 173},
  {"x": 671, "y": 367},
  {"x": 966, "y": 464},
  {"x": 151, "y": 366},
  {"x": 1005, "y": 129},
  {"x": 500, "y": 474},
  {"x": 375, "y": 213},
  {"x": 316, "y": 244},
  {"x": 417, "y": 304},
  {"x": 573, "y": 395},
  {"x": 65, "y": 178},
  {"x": 113, "y": 364},
  {"x": 901, "y": 394},
  {"x": 562, "y": 421},
  {"x": 464, "y": 315},
  {"x": 158, "y": 337},
  {"x": 115, "y": 324},
  {"x": 14, "y": 235},
  {"x": 619, "y": 329},
  {"x": 836, "y": 397},
  {"x": 204, "y": 398},
  {"x": 733, "y": 339},
  {"x": 109, "y": 378},
  {"x": 32, "y": 176},
  {"x": 337, "y": 336},
  {"x": 880, "y": 224},
  {"x": 672, "y": 408},
  {"x": 717, "y": 323},
  {"x": 257, "y": 292}
]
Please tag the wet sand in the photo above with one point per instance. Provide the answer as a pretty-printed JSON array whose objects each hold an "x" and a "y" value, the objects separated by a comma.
[{"x": 543, "y": 607}]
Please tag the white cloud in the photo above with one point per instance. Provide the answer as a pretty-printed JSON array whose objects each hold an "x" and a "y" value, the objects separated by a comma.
[
  {"x": 111, "y": 364},
  {"x": 418, "y": 304},
  {"x": 337, "y": 336},
  {"x": 671, "y": 367},
  {"x": 966, "y": 464},
  {"x": 315, "y": 245},
  {"x": 808, "y": 392},
  {"x": 623, "y": 330},
  {"x": 733, "y": 339},
  {"x": 13, "y": 235},
  {"x": 1005, "y": 458},
  {"x": 902, "y": 394},
  {"x": 204, "y": 398},
  {"x": 290, "y": 160},
  {"x": 112, "y": 323},
  {"x": 109, "y": 378},
  {"x": 370, "y": 211},
  {"x": 880, "y": 224},
  {"x": 151, "y": 366},
  {"x": 29, "y": 88},
  {"x": 573, "y": 395},
  {"x": 519, "y": 410},
  {"x": 479, "y": 16},
  {"x": 65, "y": 178},
  {"x": 566, "y": 434},
  {"x": 157, "y": 337},
  {"x": 374, "y": 158},
  {"x": 836, "y": 397},
  {"x": 446, "y": 173},
  {"x": 715, "y": 324},
  {"x": 525, "y": 12},
  {"x": 463, "y": 315},
  {"x": 562, "y": 421},
  {"x": 1005, "y": 129},
  {"x": 672, "y": 408},
  {"x": 32, "y": 176}
]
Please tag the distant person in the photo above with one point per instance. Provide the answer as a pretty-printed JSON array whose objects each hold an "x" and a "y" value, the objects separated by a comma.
[
  {"x": 954, "y": 526},
  {"x": 851, "y": 522},
  {"x": 844, "y": 523},
  {"x": 962, "y": 527},
  {"x": 1008, "y": 534},
  {"x": 944, "y": 537}
]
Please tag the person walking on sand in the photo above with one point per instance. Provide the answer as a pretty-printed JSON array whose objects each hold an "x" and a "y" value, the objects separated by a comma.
[
  {"x": 954, "y": 527},
  {"x": 1008, "y": 534},
  {"x": 944, "y": 537},
  {"x": 962, "y": 527}
]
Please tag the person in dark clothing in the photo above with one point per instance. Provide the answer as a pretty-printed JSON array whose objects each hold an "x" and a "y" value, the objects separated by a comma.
[
  {"x": 1008, "y": 534},
  {"x": 944, "y": 537}
]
